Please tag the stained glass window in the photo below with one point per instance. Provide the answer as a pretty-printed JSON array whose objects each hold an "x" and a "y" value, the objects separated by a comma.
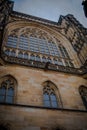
[
  {"x": 33, "y": 44},
  {"x": 7, "y": 91},
  {"x": 49, "y": 97}
]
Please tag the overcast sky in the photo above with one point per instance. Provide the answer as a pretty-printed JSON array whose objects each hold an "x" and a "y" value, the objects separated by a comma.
[{"x": 52, "y": 9}]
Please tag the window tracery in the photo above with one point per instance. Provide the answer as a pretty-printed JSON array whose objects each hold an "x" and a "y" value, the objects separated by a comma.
[
  {"x": 55, "y": 61},
  {"x": 7, "y": 90},
  {"x": 20, "y": 55},
  {"x": 49, "y": 95},
  {"x": 12, "y": 53},
  {"x": 33, "y": 40},
  {"x": 44, "y": 59},
  {"x": 25, "y": 56},
  {"x": 38, "y": 58},
  {"x": 32, "y": 57},
  {"x": 7, "y": 52}
]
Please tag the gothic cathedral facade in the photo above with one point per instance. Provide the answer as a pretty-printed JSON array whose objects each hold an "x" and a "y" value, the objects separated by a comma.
[{"x": 43, "y": 72}]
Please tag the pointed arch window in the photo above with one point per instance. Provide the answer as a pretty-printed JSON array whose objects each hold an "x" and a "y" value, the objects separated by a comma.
[
  {"x": 7, "y": 52},
  {"x": 49, "y": 60},
  {"x": 49, "y": 96},
  {"x": 12, "y": 53},
  {"x": 38, "y": 58},
  {"x": 25, "y": 56},
  {"x": 83, "y": 93},
  {"x": 44, "y": 59},
  {"x": 7, "y": 87},
  {"x": 20, "y": 55},
  {"x": 32, "y": 57},
  {"x": 60, "y": 62},
  {"x": 55, "y": 61}
]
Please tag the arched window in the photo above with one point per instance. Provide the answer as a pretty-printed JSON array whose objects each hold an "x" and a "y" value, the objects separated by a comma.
[
  {"x": 83, "y": 93},
  {"x": 7, "y": 52},
  {"x": 12, "y": 53},
  {"x": 49, "y": 95},
  {"x": 32, "y": 57},
  {"x": 7, "y": 88},
  {"x": 44, "y": 59},
  {"x": 49, "y": 60},
  {"x": 20, "y": 55},
  {"x": 25, "y": 56},
  {"x": 55, "y": 61},
  {"x": 38, "y": 58},
  {"x": 60, "y": 62},
  {"x": 23, "y": 42}
]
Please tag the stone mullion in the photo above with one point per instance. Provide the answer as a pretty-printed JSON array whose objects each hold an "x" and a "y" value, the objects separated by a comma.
[
  {"x": 38, "y": 43},
  {"x": 48, "y": 45},
  {"x": 29, "y": 42}
]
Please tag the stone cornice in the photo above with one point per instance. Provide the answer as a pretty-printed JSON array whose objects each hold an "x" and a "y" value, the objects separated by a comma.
[
  {"x": 40, "y": 65},
  {"x": 42, "y": 107},
  {"x": 34, "y": 18}
]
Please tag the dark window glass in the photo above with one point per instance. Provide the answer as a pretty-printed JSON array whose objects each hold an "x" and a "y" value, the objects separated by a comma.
[
  {"x": 7, "y": 52},
  {"x": 35, "y": 44},
  {"x": 25, "y": 56},
  {"x": 54, "y": 104},
  {"x": 12, "y": 53},
  {"x": 2, "y": 90},
  {"x": 9, "y": 96},
  {"x": 2, "y": 93},
  {"x": 55, "y": 61},
  {"x": 53, "y": 97},
  {"x": 47, "y": 100},
  {"x": 38, "y": 58},
  {"x": 49, "y": 97},
  {"x": 7, "y": 92},
  {"x": 10, "y": 92},
  {"x": 46, "y": 96},
  {"x": 32, "y": 57},
  {"x": 53, "y": 100},
  {"x": 49, "y": 60},
  {"x": 44, "y": 59},
  {"x": 60, "y": 62},
  {"x": 12, "y": 41},
  {"x": 20, "y": 55}
]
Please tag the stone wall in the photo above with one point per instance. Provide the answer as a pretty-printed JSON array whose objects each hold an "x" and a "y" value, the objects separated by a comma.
[{"x": 29, "y": 91}]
